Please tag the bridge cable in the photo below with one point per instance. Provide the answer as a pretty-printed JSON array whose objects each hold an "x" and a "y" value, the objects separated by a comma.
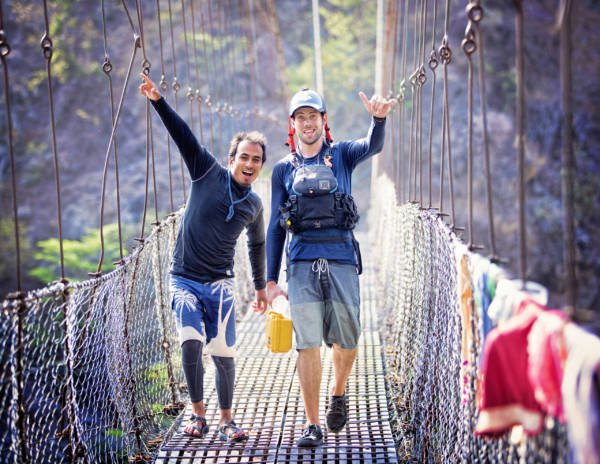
[
  {"x": 391, "y": 94},
  {"x": 164, "y": 86},
  {"x": 226, "y": 54},
  {"x": 176, "y": 87},
  {"x": 137, "y": 430},
  {"x": 4, "y": 52},
  {"x": 568, "y": 160},
  {"x": 208, "y": 71},
  {"x": 234, "y": 97},
  {"x": 230, "y": 58},
  {"x": 227, "y": 92},
  {"x": 251, "y": 33},
  {"x": 234, "y": 60},
  {"x": 197, "y": 98},
  {"x": 433, "y": 64},
  {"x": 47, "y": 49},
  {"x": 402, "y": 99},
  {"x": 233, "y": 64},
  {"x": 445, "y": 53},
  {"x": 245, "y": 30},
  {"x": 195, "y": 47},
  {"x": 146, "y": 69},
  {"x": 107, "y": 68},
  {"x": 219, "y": 71},
  {"x": 520, "y": 120},
  {"x": 416, "y": 80},
  {"x": 469, "y": 46},
  {"x": 190, "y": 92},
  {"x": 175, "y": 406},
  {"x": 223, "y": 88},
  {"x": 418, "y": 84},
  {"x": 486, "y": 145},
  {"x": 412, "y": 80},
  {"x": 18, "y": 314},
  {"x": 209, "y": 99},
  {"x": 421, "y": 80}
]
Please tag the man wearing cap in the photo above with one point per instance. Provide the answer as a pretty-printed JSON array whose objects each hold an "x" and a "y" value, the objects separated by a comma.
[{"x": 311, "y": 201}]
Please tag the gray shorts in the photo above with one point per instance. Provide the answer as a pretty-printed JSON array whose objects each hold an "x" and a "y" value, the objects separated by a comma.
[{"x": 324, "y": 303}]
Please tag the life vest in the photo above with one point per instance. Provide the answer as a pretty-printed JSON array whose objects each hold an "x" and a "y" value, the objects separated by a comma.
[{"x": 316, "y": 203}]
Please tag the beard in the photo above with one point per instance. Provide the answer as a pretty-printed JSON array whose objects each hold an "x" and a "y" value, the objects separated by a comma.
[{"x": 318, "y": 135}]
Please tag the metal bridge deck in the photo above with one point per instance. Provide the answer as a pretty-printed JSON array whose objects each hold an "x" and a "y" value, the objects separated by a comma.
[{"x": 268, "y": 405}]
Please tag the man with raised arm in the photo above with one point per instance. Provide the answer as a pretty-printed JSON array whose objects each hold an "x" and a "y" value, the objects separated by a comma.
[
  {"x": 311, "y": 201},
  {"x": 221, "y": 205}
]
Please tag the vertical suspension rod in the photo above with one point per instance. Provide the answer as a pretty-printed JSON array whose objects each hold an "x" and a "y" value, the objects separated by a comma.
[
  {"x": 520, "y": 120},
  {"x": 568, "y": 160}
]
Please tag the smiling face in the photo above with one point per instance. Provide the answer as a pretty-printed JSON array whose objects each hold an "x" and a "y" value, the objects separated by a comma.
[
  {"x": 247, "y": 163},
  {"x": 309, "y": 124}
]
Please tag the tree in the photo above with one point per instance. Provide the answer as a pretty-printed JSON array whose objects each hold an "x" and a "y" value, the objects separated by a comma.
[{"x": 80, "y": 256}]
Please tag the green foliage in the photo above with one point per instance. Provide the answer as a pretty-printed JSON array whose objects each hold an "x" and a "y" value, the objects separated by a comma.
[
  {"x": 114, "y": 433},
  {"x": 8, "y": 260},
  {"x": 348, "y": 58},
  {"x": 156, "y": 373},
  {"x": 80, "y": 256},
  {"x": 156, "y": 408}
]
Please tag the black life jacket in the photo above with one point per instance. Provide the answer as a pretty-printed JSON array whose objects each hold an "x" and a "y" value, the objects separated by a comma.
[{"x": 316, "y": 203}]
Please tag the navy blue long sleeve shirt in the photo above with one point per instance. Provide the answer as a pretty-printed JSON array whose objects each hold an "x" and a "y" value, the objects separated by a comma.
[
  {"x": 337, "y": 244},
  {"x": 205, "y": 245}
]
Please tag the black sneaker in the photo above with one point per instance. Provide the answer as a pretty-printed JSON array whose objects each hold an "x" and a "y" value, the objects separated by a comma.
[
  {"x": 311, "y": 437},
  {"x": 337, "y": 413}
]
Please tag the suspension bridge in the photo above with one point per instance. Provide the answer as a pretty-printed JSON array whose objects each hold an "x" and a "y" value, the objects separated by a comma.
[{"x": 91, "y": 370}]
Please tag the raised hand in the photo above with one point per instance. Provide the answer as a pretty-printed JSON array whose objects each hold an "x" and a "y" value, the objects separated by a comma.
[
  {"x": 378, "y": 106},
  {"x": 148, "y": 88}
]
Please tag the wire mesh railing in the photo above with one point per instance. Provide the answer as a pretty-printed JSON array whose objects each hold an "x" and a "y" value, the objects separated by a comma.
[
  {"x": 91, "y": 371},
  {"x": 433, "y": 352}
]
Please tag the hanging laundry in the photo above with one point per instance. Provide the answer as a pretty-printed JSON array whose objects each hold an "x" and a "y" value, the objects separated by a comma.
[
  {"x": 581, "y": 394},
  {"x": 465, "y": 293},
  {"x": 507, "y": 398},
  {"x": 547, "y": 356},
  {"x": 486, "y": 276},
  {"x": 510, "y": 294}
]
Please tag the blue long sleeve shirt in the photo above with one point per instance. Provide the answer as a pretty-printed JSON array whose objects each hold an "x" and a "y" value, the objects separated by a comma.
[
  {"x": 205, "y": 246},
  {"x": 335, "y": 244}
]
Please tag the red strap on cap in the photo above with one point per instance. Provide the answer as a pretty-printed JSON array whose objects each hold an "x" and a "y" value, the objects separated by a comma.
[
  {"x": 290, "y": 141},
  {"x": 327, "y": 134}
]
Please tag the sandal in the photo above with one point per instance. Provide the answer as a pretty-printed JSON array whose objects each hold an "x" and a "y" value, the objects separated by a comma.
[
  {"x": 196, "y": 427},
  {"x": 232, "y": 433}
]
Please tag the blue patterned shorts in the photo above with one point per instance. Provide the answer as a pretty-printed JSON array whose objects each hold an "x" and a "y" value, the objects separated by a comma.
[{"x": 205, "y": 312}]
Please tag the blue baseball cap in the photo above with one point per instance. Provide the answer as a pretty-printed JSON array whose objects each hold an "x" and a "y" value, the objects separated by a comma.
[{"x": 307, "y": 97}]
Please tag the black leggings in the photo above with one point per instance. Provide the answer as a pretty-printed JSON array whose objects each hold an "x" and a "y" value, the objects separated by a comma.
[{"x": 191, "y": 358}]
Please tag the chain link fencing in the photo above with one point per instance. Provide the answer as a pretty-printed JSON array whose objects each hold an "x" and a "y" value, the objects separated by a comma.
[
  {"x": 91, "y": 371},
  {"x": 432, "y": 387}
]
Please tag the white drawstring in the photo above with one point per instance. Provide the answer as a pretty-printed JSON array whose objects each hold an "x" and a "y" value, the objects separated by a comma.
[{"x": 320, "y": 265}]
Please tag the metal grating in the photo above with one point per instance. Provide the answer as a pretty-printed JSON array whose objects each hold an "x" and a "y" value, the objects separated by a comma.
[{"x": 268, "y": 405}]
